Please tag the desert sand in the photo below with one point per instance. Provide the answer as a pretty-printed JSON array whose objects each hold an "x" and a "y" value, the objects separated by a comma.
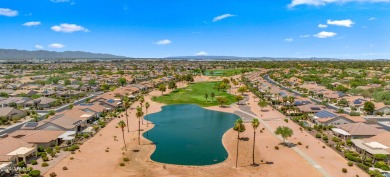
[{"x": 93, "y": 160}]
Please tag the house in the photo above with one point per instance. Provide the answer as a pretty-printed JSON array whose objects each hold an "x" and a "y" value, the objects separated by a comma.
[
  {"x": 10, "y": 113},
  {"x": 328, "y": 118},
  {"x": 14, "y": 150},
  {"x": 378, "y": 144},
  {"x": 385, "y": 109},
  {"x": 358, "y": 130},
  {"x": 45, "y": 138},
  {"x": 27, "y": 93},
  {"x": 310, "y": 108},
  {"x": 42, "y": 102},
  {"x": 5, "y": 102}
]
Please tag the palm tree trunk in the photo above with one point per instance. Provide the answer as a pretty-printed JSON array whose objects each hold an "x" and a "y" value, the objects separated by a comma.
[
  {"x": 253, "y": 150},
  {"x": 147, "y": 122},
  {"x": 127, "y": 121},
  {"x": 139, "y": 132},
  {"x": 238, "y": 140},
  {"x": 123, "y": 136}
]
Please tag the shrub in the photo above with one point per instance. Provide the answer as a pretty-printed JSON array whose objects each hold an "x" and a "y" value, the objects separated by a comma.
[
  {"x": 53, "y": 174},
  {"x": 45, "y": 159},
  {"x": 125, "y": 159},
  {"x": 34, "y": 162},
  {"x": 85, "y": 135},
  {"x": 41, "y": 149},
  {"x": 44, "y": 164},
  {"x": 35, "y": 173},
  {"x": 362, "y": 166},
  {"x": 286, "y": 120},
  {"x": 22, "y": 164},
  {"x": 350, "y": 164},
  {"x": 353, "y": 157},
  {"x": 122, "y": 164},
  {"x": 325, "y": 138},
  {"x": 277, "y": 147},
  {"x": 299, "y": 143},
  {"x": 64, "y": 168},
  {"x": 344, "y": 170},
  {"x": 318, "y": 135},
  {"x": 71, "y": 158},
  {"x": 49, "y": 150}
]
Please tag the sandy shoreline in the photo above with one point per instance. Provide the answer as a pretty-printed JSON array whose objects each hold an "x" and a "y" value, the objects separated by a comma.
[{"x": 93, "y": 160}]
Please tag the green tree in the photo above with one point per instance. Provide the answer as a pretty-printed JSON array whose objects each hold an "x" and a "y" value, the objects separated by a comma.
[
  {"x": 122, "y": 125},
  {"x": 126, "y": 105},
  {"x": 162, "y": 88},
  {"x": 206, "y": 96},
  {"x": 285, "y": 132},
  {"x": 70, "y": 106},
  {"x": 147, "y": 105},
  {"x": 239, "y": 98},
  {"x": 255, "y": 124},
  {"x": 67, "y": 82},
  {"x": 242, "y": 89},
  {"x": 92, "y": 82},
  {"x": 139, "y": 115},
  {"x": 369, "y": 107},
  {"x": 222, "y": 100},
  {"x": 212, "y": 96},
  {"x": 141, "y": 102},
  {"x": 172, "y": 85},
  {"x": 122, "y": 81},
  {"x": 262, "y": 104},
  {"x": 239, "y": 127}
]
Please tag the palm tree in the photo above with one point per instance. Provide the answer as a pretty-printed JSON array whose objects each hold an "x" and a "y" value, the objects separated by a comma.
[
  {"x": 139, "y": 115},
  {"x": 126, "y": 104},
  {"x": 239, "y": 127},
  {"x": 141, "y": 102},
  {"x": 285, "y": 132},
  {"x": 255, "y": 124},
  {"x": 147, "y": 105},
  {"x": 122, "y": 125},
  {"x": 206, "y": 96},
  {"x": 212, "y": 96}
]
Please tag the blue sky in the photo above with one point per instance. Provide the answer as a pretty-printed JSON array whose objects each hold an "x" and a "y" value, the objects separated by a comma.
[{"x": 154, "y": 28}]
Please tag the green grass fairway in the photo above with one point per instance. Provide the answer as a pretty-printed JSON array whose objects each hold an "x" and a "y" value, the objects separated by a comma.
[
  {"x": 194, "y": 94},
  {"x": 223, "y": 72}
]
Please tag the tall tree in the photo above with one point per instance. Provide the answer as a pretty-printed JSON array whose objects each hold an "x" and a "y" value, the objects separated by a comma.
[
  {"x": 122, "y": 125},
  {"x": 206, "y": 96},
  {"x": 212, "y": 96},
  {"x": 369, "y": 107},
  {"x": 162, "y": 88},
  {"x": 126, "y": 105},
  {"x": 139, "y": 115},
  {"x": 262, "y": 104},
  {"x": 255, "y": 123},
  {"x": 239, "y": 98},
  {"x": 284, "y": 131},
  {"x": 239, "y": 127},
  {"x": 147, "y": 105},
  {"x": 141, "y": 102}
]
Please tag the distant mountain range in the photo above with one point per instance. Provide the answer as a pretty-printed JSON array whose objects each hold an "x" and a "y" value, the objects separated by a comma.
[{"x": 9, "y": 54}]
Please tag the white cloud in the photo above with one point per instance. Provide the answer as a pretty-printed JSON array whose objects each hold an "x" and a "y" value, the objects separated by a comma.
[
  {"x": 325, "y": 34},
  {"x": 56, "y": 46},
  {"x": 68, "y": 28},
  {"x": 201, "y": 53},
  {"x": 372, "y": 18},
  {"x": 163, "y": 42},
  {"x": 38, "y": 46},
  {"x": 221, "y": 17},
  {"x": 325, "y": 2},
  {"x": 289, "y": 39},
  {"x": 345, "y": 23},
  {"x": 8, "y": 12},
  {"x": 32, "y": 24},
  {"x": 304, "y": 36},
  {"x": 322, "y": 26}
]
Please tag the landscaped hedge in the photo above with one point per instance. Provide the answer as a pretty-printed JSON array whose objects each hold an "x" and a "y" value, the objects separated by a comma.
[{"x": 362, "y": 166}]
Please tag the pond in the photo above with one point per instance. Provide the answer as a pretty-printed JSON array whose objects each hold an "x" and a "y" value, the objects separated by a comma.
[{"x": 186, "y": 134}]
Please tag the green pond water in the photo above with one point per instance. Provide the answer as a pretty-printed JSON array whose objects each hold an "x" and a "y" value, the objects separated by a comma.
[{"x": 187, "y": 134}]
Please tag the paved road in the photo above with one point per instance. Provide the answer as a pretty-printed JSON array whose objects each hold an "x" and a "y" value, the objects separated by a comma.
[
  {"x": 301, "y": 153},
  {"x": 266, "y": 77}
]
